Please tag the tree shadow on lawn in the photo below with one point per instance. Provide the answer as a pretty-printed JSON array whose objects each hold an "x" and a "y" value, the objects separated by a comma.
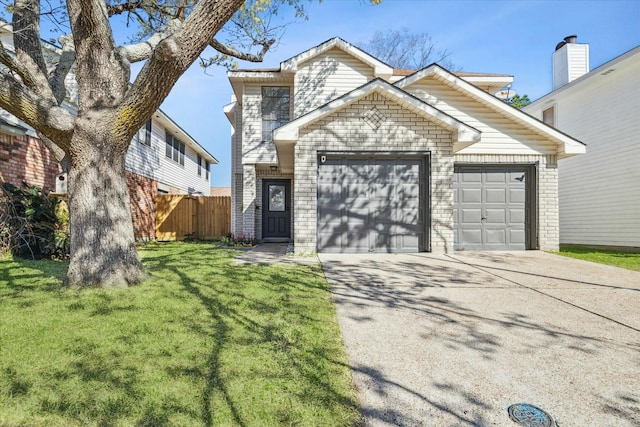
[{"x": 287, "y": 363}]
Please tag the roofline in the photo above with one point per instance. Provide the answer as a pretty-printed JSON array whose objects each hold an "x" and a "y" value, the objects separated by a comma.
[
  {"x": 460, "y": 83},
  {"x": 598, "y": 70},
  {"x": 289, "y": 131},
  {"x": 192, "y": 139},
  {"x": 380, "y": 68}
]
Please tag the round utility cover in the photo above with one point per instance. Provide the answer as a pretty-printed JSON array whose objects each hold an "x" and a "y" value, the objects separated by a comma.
[{"x": 530, "y": 416}]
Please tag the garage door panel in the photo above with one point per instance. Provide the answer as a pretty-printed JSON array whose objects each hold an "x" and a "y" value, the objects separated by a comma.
[
  {"x": 517, "y": 195},
  {"x": 495, "y": 195},
  {"x": 408, "y": 193},
  {"x": 332, "y": 215},
  {"x": 383, "y": 201},
  {"x": 471, "y": 237},
  {"x": 495, "y": 216},
  {"x": 471, "y": 195},
  {"x": 517, "y": 236},
  {"x": 382, "y": 190},
  {"x": 490, "y": 207},
  {"x": 471, "y": 176},
  {"x": 471, "y": 216},
  {"x": 517, "y": 216},
  {"x": 495, "y": 176},
  {"x": 495, "y": 237}
]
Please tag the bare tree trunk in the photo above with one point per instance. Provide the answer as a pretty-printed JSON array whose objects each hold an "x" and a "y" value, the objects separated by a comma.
[{"x": 103, "y": 251}]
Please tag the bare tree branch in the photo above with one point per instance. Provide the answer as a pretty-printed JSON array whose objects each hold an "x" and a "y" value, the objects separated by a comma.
[
  {"x": 142, "y": 51},
  {"x": 101, "y": 75},
  {"x": 226, "y": 50},
  {"x": 39, "y": 112},
  {"x": 172, "y": 56},
  {"x": 28, "y": 46},
  {"x": 67, "y": 58},
  {"x": 57, "y": 152},
  {"x": 17, "y": 67}
]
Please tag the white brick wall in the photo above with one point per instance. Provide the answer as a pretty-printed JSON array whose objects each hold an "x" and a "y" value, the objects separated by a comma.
[
  {"x": 346, "y": 131},
  {"x": 249, "y": 200}
]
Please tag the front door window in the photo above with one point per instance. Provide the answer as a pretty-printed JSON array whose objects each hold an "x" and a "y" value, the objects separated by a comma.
[{"x": 276, "y": 198}]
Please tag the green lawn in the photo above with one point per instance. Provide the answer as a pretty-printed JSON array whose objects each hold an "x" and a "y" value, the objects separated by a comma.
[
  {"x": 202, "y": 342},
  {"x": 626, "y": 260}
]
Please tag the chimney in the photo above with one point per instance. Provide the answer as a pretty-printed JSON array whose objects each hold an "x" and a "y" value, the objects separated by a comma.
[{"x": 570, "y": 61}]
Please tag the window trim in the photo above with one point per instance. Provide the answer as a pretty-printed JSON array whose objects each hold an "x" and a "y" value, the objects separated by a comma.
[
  {"x": 174, "y": 148},
  {"x": 276, "y": 122}
]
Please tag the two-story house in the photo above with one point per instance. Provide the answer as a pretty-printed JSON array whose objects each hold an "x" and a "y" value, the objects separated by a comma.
[
  {"x": 600, "y": 191},
  {"x": 338, "y": 152},
  {"x": 162, "y": 158}
]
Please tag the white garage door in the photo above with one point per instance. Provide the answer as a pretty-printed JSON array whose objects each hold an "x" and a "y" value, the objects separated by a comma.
[
  {"x": 371, "y": 204},
  {"x": 490, "y": 207}
]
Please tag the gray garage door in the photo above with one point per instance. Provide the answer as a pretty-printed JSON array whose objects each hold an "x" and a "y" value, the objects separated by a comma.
[
  {"x": 374, "y": 204},
  {"x": 490, "y": 207}
]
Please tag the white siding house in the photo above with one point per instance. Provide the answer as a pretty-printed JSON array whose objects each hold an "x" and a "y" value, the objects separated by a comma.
[
  {"x": 367, "y": 158},
  {"x": 162, "y": 157},
  {"x": 600, "y": 191},
  {"x": 150, "y": 160},
  {"x": 147, "y": 156}
]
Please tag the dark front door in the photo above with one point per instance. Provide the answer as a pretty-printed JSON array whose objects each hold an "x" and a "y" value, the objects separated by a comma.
[{"x": 276, "y": 210}]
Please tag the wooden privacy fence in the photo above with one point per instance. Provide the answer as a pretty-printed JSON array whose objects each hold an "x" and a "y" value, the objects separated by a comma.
[{"x": 179, "y": 216}]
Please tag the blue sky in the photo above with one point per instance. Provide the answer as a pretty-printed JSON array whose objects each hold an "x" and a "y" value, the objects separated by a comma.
[{"x": 509, "y": 37}]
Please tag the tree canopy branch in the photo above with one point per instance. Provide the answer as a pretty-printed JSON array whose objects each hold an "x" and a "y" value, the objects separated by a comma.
[
  {"x": 28, "y": 46},
  {"x": 246, "y": 56},
  {"x": 62, "y": 69},
  {"x": 37, "y": 111}
]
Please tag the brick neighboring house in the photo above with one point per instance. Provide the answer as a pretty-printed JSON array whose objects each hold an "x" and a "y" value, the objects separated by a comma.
[
  {"x": 338, "y": 152},
  {"x": 162, "y": 158}
]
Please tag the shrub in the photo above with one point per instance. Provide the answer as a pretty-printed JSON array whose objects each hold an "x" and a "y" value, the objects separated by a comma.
[
  {"x": 33, "y": 224},
  {"x": 238, "y": 240}
]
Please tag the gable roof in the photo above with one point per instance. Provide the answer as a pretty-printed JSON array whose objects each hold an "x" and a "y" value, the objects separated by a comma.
[
  {"x": 567, "y": 145},
  {"x": 380, "y": 69},
  {"x": 462, "y": 132},
  {"x": 287, "y": 135}
]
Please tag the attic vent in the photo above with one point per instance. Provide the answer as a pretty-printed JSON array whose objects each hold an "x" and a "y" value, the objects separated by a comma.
[{"x": 374, "y": 118}]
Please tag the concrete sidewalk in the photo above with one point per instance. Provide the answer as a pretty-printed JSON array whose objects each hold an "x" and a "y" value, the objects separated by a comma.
[{"x": 455, "y": 340}]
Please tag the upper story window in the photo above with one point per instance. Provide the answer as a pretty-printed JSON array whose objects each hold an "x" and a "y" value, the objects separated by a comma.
[
  {"x": 174, "y": 149},
  {"x": 206, "y": 170},
  {"x": 548, "y": 116},
  {"x": 276, "y": 102},
  {"x": 144, "y": 134},
  {"x": 199, "y": 165}
]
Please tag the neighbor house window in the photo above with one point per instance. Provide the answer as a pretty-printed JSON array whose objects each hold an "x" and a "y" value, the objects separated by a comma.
[
  {"x": 206, "y": 170},
  {"x": 548, "y": 116},
  {"x": 174, "y": 149},
  {"x": 199, "y": 165},
  {"x": 144, "y": 134},
  {"x": 275, "y": 109}
]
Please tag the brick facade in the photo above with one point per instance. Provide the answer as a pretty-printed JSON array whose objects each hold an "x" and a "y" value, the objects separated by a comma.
[
  {"x": 24, "y": 158},
  {"x": 402, "y": 130},
  {"x": 143, "y": 191}
]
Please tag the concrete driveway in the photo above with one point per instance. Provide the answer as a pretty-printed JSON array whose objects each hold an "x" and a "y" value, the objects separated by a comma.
[{"x": 455, "y": 340}]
